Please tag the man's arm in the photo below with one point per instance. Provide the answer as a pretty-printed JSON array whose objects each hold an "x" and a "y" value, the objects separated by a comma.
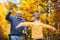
[
  {"x": 8, "y": 17},
  {"x": 25, "y": 30},
  {"x": 48, "y": 27}
]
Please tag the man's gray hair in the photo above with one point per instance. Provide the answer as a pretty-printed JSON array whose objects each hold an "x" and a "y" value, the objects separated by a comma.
[{"x": 17, "y": 12}]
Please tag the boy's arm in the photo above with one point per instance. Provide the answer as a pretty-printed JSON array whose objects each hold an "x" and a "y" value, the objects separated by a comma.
[
  {"x": 23, "y": 24},
  {"x": 48, "y": 27}
]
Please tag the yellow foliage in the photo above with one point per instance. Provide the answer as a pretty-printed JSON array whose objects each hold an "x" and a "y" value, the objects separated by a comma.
[{"x": 27, "y": 7}]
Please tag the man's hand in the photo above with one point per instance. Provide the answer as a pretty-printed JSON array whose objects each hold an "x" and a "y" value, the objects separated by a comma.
[
  {"x": 11, "y": 9},
  {"x": 26, "y": 35}
]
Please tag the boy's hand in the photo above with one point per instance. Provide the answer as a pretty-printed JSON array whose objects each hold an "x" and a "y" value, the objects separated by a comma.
[{"x": 17, "y": 27}]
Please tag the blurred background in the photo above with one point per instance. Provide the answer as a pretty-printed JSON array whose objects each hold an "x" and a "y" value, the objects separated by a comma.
[{"x": 48, "y": 9}]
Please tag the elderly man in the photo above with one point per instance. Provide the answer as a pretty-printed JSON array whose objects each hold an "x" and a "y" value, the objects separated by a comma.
[
  {"x": 36, "y": 27},
  {"x": 16, "y": 34}
]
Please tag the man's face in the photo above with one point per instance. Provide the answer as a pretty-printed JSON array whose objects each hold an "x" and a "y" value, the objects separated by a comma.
[{"x": 19, "y": 14}]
